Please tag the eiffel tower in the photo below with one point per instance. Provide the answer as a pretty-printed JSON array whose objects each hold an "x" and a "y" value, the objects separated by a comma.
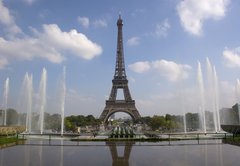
[{"x": 120, "y": 82}]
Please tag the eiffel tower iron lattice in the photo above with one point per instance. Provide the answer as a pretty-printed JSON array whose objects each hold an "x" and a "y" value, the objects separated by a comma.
[{"x": 120, "y": 82}]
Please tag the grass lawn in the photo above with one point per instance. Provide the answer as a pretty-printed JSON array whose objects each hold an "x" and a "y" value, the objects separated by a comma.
[{"x": 6, "y": 140}]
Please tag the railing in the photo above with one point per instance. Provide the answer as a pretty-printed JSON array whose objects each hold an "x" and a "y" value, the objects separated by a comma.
[{"x": 187, "y": 136}]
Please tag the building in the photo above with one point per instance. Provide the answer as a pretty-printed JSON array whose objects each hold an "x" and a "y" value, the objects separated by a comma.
[{"x": 230, "y": 116}]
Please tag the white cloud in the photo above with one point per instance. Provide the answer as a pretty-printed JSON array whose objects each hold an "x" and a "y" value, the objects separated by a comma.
[
  {"x": 83, "y": 21},
  {"x": 232, "y": 57},
  {"x": 8, "y": 20},
  {"x": 72, "y": 41},
  {"x": 193, "y": 13},
  {"x": 171, "y": 70},
  {"x": 50, "y": 44},
  {"x": 140, "y": 67},
  {"x": 27, "y": 49},
  {"x": 162, "y": 28},
  {"x": 100, "y": 23},
  {"x": 134, "y": 41}
]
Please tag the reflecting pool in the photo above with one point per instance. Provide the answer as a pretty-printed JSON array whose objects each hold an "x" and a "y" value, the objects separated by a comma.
[{"x": 68, "y": 153}]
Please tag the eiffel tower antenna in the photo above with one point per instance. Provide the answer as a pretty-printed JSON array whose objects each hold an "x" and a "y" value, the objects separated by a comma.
[{"x": 120, "y": 82}]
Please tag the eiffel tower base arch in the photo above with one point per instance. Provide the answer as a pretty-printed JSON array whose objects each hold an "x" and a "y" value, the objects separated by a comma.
[{"x": 118, "y": 106}]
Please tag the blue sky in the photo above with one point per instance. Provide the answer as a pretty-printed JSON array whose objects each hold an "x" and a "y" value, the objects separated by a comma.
[{"x": 163, "y": 42}]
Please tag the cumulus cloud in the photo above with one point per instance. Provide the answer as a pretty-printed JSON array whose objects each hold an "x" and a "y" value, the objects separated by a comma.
[
  {"x": 232, "y": 57},
  {"x": 162, "y": 28},
  {"x": 170, "y": 70},
  {"x": 100, "y": 23},
  {"x": 140, "y": 67},
  {"x": 83, "y": 21},
  {"x": 72, "y": 41},
  {"x": 134, "y": 41},
  {"x": 50, "y": 44},
  {"x": 193, "y": 13},
  {"x": 27, "y": 49},
  {"x": 8, "y": 20}
]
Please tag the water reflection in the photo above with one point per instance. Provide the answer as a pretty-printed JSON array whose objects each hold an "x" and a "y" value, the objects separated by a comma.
[
  {"x": 40, "y": 153},
  {"x": 27, "y": 155},
  {"x": 64, "y": 153},
  {"x": 1, "y": 157},
  {"x": 118, "y": 160},
  {"x": 61, "y": 155}
]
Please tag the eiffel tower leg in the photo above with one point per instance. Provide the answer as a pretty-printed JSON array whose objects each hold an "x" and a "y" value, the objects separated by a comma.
[{"x": 104, "y": 115}]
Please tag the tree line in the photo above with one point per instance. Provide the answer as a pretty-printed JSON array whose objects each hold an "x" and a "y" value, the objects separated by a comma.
[
  {"x": 171, "y": 123},
  {"x": 167, "y": 123}
]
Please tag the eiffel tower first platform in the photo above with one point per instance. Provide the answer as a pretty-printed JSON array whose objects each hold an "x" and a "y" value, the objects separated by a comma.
[{"x": 120, "y": 82}]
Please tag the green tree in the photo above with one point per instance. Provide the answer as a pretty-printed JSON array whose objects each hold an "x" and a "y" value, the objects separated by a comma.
[
  {"x": 71, "y": 122},
  {"x": 157, "y": 122},
  {"x": 68, "y": 125},
  {"x": 52, "y": 122},
  {"x": 192, "y": 121},
  {"x": 12, "y": 117}
]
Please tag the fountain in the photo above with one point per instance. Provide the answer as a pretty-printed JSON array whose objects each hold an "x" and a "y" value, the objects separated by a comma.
[
  {"x": 63, "y": 95},
  {"x": 42, "y": 95},
  {"x": 216, "y": 92},
  {"x": 208, "y": 101},
  {"x": 5, "y": 96},
  {"x": 183, "y": 107},
  {"x": 201, "y": 93},
  {"x": 212, "y": 97},
  {"x": 205, "y": 101},
  {"x": 26, "y": 100}
]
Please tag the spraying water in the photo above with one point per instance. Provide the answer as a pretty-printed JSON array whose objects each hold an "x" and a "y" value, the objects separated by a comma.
[
  {"x": 26, "y": 100},
  {"x": 201, "y": 96},
  {"x": 211, "y": 98},
  {"x": 63, "y": 95},
  {"x": 216, "y": 92},
  {"x": 183, "y": 107},
  {"x": 5, "y": 95},
  {"x": 42, "y": 93},
  {"x": 184, "y": 116}
]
